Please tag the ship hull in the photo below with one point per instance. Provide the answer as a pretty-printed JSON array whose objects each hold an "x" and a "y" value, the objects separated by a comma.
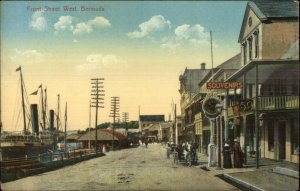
[{"x": 19, "y": 150}]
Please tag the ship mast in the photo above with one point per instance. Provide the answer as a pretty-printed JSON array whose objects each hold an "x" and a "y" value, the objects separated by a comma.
[
  {"x": 43, "y": 108},
  {"x": 23, "y": 102}
]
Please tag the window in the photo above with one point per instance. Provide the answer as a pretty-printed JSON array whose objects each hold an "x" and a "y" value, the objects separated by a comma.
[
  {"x": 271, "y": 135},
  {"x": 294, "y": 137},
  {"x": 256, "y": 53},
  {"x": 245, "y": 53},
  {"x": 250, "y": 48},
  {"x": 249, "y": 90}
]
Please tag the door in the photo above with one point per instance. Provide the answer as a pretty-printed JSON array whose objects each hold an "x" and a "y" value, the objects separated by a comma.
[{"x": 281, "y": 140}]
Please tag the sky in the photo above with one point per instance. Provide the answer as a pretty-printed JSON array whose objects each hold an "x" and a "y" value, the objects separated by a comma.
[{"x": 139, "y": 47}]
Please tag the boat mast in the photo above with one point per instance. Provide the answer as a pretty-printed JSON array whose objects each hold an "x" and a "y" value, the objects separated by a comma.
[
  {"x": 23, "y": 102},
  {"x": 90, "y": 125},
  {"x": 43, "y": 108},
  {"x": 58, "y": 111}
]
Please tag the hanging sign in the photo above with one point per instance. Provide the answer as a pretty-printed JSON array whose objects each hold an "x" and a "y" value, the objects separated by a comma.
[
  {"x": 224, "y": 85},
  {"x": 209, "y": 107}
]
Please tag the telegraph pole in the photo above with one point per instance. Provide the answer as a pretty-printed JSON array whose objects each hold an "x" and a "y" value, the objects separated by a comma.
[
  {"x": 115, "y": 106},
  {"x": 125, "y": 116},
  {"x": 97, "y": 95}
]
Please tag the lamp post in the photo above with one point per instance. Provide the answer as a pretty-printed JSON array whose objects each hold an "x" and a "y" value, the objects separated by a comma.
[
  {"x": 212, "y": 109},
  {"x": 219, "y": 109}
]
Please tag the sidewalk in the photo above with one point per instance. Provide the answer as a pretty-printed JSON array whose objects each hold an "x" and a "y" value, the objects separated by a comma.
[{"x": 271, "y": 175}]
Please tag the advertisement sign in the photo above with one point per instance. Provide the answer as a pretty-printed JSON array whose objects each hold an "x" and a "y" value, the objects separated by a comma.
[{"x": 224, "y": 85}]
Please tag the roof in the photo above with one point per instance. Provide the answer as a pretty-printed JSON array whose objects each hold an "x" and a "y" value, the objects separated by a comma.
[
  {"x": 292, "y": 52},
  {"x": 73, "y": 136},
  {"x": 151, "y": 118},
  {"x": 270, "y": 10},
  {"x": 103, "y": 135},
  {"x": 275, "y": 9},
  {"x": 232, "y": 63},
  {"x": 190, "y": 79},
  {"x": 117, "y": 134},
  {"x": 154, "y": 127}
]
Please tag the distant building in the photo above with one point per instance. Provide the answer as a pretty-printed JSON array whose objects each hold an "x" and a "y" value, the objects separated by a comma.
[
  {"x": 189, "y": 86},
  {"x": 147, "y": 120}
]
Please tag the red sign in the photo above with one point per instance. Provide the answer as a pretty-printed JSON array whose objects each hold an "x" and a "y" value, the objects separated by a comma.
[{"x": 224, "y": 85}]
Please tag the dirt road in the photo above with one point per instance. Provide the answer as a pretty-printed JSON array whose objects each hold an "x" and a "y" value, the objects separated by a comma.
[{"x": 129, "y": 169}]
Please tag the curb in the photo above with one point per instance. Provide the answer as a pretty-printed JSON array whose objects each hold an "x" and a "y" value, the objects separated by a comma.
[
  {"x": 286, "y": 171},
  {"x": 242, "y": 183}
]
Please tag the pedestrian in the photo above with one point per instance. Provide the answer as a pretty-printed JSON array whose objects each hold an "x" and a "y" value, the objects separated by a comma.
[
  {"x": 146, "y": 143},
  {"x": 238, "y": 159}
]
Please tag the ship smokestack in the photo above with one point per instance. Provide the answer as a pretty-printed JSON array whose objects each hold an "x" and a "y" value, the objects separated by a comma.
[
  {"x": 34, "y": 119},
  {"x": 51, "y": 120}
]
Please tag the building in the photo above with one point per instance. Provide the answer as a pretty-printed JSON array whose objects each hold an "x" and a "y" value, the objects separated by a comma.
[
  {"x": 265, "y": 115},
  {"x": 189, "y": 93},
  {"x": 202, "y": 123},
  {"x": 149, "y": 125}
]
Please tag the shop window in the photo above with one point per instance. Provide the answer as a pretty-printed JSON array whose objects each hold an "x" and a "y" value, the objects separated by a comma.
[
  {"x": 294, "y": 137},
  {"x": 271, "y": 135}
]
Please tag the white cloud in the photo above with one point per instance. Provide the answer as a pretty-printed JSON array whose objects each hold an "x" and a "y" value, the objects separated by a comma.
[
  {"x": 68, "y": 23},
  {"x": 99, "y": 61},
  {"x": 28, "y": 56},
  {"x": 154, "y": 24},
  {"x": 64, "y": 23},
  {"x": 87, "y": 27},
  {"x": 187, "y": 35},
  {"x": 38, "y": 22}
]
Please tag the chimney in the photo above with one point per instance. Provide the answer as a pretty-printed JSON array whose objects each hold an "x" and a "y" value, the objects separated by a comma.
[
  {"x": 35, "y": 119},
  {"x": 51, "y": 120},
  {"x": 203, "y": 66}
]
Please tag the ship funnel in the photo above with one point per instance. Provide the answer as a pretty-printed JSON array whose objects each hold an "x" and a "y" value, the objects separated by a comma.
[
  {"x": 34, "y": 119},
  {"x": 51, "y": 120}
]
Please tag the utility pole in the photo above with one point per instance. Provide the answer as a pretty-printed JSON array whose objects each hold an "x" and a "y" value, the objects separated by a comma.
[
  {"x": 115, "y": 106},
  {"x": 97, "y": 95},
  {"x": 125, "y": 116}
]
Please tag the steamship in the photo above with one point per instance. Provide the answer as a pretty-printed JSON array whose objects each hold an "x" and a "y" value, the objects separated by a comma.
[{"x": 29, "y": 144}]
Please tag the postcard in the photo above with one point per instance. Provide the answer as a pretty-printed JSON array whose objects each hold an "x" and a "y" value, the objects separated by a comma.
[{"x": 149, "y": 95}]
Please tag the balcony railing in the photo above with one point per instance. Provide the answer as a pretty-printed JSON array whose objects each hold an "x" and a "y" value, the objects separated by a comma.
[
  {"x": 282, "y": 102},
  {"x": 277, "y": 102}
]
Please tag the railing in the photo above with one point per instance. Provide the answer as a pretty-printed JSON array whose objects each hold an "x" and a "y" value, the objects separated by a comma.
[
  {"x": 277, "y": 102},
  {"x": 274, "y": 103}
]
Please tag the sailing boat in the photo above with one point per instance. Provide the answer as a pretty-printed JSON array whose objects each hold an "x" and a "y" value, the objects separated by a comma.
[{"x": 25, "y": 144}]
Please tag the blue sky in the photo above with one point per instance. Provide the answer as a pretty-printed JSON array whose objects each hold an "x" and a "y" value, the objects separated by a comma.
[{"x": 140, "y": 47}]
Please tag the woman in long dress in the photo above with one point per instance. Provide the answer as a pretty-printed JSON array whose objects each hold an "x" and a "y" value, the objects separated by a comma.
[{"x": 237, "y": 155}]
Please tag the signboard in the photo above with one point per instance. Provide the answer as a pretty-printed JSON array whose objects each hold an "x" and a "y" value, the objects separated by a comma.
[
  {"x": 209, "y": 107},
  {"x": 242, "y": 106},
  {"x": 224, "y": 85}
]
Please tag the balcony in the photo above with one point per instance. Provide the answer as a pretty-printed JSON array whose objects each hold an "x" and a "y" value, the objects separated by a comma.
[
  {"x": 265, "y": 103},
  {"x": 278, "y": 102}
]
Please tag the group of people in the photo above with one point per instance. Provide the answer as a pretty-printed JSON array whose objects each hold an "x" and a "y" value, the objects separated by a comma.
[
  {"x": 189, "y": 148},
  {"x": 186, "y": 150}
]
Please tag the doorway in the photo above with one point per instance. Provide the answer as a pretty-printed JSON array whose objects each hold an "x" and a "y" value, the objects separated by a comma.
[{"x": 281, "y": 140}]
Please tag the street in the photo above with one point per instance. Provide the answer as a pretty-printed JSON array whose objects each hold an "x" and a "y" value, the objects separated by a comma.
[{"x": 129, "y": 169}]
